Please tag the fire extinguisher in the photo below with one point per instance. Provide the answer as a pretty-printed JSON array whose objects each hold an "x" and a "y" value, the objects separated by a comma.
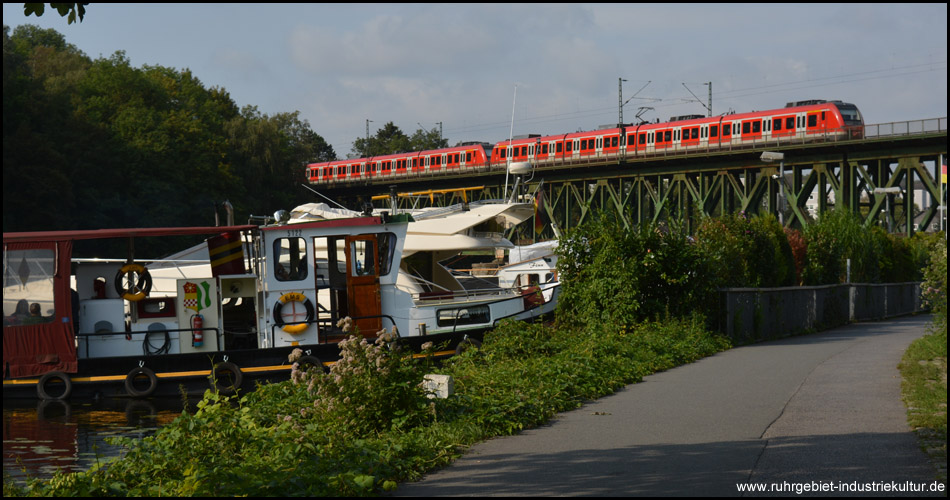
[{"x": 197, "y": 323}]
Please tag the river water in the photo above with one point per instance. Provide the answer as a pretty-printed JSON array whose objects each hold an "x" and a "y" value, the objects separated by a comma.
[{"x": 41, "y": 437}]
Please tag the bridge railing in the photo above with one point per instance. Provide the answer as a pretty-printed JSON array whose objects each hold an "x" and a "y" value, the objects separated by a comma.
[{"x": 912, "y": 127}]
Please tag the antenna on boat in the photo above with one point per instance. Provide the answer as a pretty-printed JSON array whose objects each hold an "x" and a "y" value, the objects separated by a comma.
[
  {"x": 511, "y": 132},
  {"x": 324, "y": 197}
]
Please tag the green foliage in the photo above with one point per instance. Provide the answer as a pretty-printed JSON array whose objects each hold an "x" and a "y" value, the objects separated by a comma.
[
  {"x": 70, "y": 11},
  {"x": 746, "y": 252},
  {"x": 613, "y": 275},
  {"x": 341, "y": 434},
  {"x": 113, "y": 141},
  {"x": 390, "y": 139},
  {"x": 837, "y": 236},
  {"x": 934, "y": 288},
  {"x": 371, "y": 389}
]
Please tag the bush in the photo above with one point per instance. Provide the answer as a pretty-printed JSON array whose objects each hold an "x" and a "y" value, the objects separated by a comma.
[
  {"x": 619, "y": 276},
  {"x": 834, "y": 238},
  {"x": 934, "y": 287},
  {"x": 747, "y": 252}
]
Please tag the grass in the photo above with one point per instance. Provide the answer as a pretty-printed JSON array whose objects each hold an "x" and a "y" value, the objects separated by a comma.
[{"x": 924, "y": 388}]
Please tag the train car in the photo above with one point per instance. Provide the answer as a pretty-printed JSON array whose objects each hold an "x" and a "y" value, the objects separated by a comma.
[
  {"x": 414, "y": 163},
  {"x": 799, "y": 121}
]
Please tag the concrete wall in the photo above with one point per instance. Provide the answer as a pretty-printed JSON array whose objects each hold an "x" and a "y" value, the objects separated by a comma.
[{"x": 753, "y": 314}]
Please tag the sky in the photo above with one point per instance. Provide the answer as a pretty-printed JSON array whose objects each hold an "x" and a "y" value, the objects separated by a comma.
[{"x": 487, "y": 71}]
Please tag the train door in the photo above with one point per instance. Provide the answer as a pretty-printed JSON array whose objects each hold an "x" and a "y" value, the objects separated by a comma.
[{"x": 362, "y": 283}]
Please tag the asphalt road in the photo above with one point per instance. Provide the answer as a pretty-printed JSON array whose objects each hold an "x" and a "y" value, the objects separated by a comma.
[{"x": 822, "y": 410}]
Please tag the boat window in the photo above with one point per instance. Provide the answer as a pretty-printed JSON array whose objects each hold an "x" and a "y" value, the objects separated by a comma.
[
  {"x": 463, "y": 316},
  {"x": 28, "y": 286},
  {"x": 387, "y": 250},
  {"x": 362, "y": 255},
  {"x": 290, "y": 259}
]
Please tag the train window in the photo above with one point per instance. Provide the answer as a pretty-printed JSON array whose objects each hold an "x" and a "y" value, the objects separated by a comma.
[
  {"x": 746, "y": 128},
  {"x": 695, "y": 133},
  {"x": 756, "y": 127},
  {"x": 468, "y": 156},
  {"x": 613, "y": 142},
  {"x": 777, "y": 124},
  {"x": 643, "y": 138},
  {"x": 812, "y": 120},
  {"x": 544, "y": 149},
  {"x": 557, "y": 148},
  {"x": 666, "y": 136},
  {"x": 726, "y": 129},
  {"x": 570, "y": 145},
  {"x": 789, "y": 123},
  {"x": 524, "y": 150}
]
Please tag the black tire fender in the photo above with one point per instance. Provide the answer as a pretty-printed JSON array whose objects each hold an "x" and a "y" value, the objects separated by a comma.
[
  {"x": 130, "y": 382},
  {"x": 312, "y": 361},
  {"x": 236, "y": 374},
  {"x": 41, "y": 386}
]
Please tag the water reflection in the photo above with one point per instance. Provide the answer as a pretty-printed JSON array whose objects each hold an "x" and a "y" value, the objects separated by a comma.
[{"x": 41, "y": 437}]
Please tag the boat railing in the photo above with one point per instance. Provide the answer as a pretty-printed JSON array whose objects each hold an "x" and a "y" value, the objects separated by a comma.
[
  {"x": 83, "y": 338},
  {"x": 444, "y": 296}
]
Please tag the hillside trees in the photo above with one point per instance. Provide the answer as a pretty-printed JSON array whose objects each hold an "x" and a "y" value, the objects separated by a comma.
[
  {"x": 390, "y": 139},
  {"x": 100, "y": 143}
]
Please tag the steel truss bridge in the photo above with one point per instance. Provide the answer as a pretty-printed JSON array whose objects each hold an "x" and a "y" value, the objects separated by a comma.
[{"x": 891, "y": 177}]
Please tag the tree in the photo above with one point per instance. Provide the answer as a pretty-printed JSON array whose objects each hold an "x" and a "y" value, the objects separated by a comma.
[
  {"x": 423, "y": 140},
  {"x": 388, "y": 140},
  {"x": 73, "y": 10}
]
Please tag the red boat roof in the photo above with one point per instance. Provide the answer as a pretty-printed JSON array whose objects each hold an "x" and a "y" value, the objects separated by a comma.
[{"x": 92, "y": 234}]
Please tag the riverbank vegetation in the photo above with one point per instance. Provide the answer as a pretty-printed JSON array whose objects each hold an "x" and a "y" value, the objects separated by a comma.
[{"x": 924, "y": 368}]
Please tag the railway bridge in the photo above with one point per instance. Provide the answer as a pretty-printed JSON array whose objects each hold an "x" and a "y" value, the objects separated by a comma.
[{"x": 891, "y": 176}]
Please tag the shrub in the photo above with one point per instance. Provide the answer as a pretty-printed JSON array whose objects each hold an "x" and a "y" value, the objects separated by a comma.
[
  {"x": 746, "y": 252},
  {"x": 834, "y": 238},
  {"x": 799, "y": 248},
  {"x": 619, "y": 276},
  {"x": 934, "y": 287}
]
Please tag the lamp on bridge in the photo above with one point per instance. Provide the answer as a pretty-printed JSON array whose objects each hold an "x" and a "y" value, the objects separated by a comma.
[{"x": 769, "y": 157}]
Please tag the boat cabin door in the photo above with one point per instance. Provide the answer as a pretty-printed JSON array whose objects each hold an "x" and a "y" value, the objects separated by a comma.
[{"x": 362, "y": 283}]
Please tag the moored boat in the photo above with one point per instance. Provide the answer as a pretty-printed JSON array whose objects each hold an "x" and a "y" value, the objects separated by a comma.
[{"x": 231, "y": 310}]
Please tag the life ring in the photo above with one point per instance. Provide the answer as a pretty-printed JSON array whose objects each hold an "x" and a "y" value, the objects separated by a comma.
[
  {"x": 293, "y": 297},
  {"x": 140, "y": 282},
  {"x": 41, "y": 385},
  {"x": 237, "y": 377},
  {"x": 130, "y": 382}
]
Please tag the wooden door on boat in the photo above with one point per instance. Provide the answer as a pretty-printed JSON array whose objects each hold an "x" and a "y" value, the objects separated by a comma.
[{"x": 362, "y": 283}]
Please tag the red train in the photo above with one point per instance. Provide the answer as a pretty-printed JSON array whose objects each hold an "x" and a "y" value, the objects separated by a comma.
[{"x": 797, "y": 121}]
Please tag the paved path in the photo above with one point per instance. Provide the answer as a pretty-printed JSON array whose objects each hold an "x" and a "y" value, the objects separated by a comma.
[{"x": 822, "y": 408}]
